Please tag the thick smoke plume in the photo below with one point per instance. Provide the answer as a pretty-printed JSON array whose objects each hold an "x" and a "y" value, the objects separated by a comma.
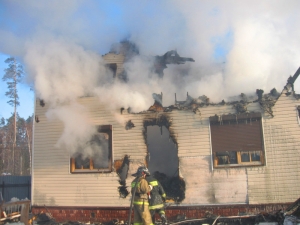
[{"x": 237, "y": 47}]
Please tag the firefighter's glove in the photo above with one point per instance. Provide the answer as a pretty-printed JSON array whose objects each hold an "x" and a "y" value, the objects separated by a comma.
[{"x": 150, "y": 186}]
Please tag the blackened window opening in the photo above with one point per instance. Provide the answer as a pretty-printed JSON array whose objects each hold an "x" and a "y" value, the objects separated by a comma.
[
  {"x": 162, "y": 151},
  {"x": 96, "y": 155}
]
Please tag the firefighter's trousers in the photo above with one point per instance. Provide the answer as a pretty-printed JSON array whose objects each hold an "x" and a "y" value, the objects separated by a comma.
[
  {"x": 142, "y": 214},
  {"x": 161, "y": 212}
]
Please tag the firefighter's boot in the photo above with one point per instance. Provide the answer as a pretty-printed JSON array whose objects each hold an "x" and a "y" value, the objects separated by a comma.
[{"x": 164, "y": 219}]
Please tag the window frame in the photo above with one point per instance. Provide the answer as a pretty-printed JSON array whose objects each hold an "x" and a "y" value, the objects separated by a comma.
[
  {"x": 239, "y": 163},
  {"x": 100, "y": 129}
]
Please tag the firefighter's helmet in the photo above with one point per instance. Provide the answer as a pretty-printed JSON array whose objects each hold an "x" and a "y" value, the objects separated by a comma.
[{"x": 141, "y": 171}]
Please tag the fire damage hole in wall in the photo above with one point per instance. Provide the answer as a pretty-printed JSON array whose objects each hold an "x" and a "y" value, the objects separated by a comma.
[
  {"x": 163, "y": 157},
  {"x": 162, "y": 152},
  {"x": 122, "y": 167}
]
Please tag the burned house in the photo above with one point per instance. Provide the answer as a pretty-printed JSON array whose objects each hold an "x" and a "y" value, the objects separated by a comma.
[{"x": 228, "y": 158}]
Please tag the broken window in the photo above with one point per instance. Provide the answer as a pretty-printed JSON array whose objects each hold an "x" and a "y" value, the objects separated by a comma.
[
  {"x": 96, "y": 155},
  {"x": 237, "y": 140}
]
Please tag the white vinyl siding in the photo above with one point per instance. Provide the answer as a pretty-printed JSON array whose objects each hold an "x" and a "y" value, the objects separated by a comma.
[
  {"x": 273, "y": 183},
  {"x": 55, "y": 185}
]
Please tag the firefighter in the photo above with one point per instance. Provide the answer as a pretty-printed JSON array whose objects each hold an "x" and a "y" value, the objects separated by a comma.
[
  {"x": 157, "y": 199},
  {"x": 140, "y": 188}
]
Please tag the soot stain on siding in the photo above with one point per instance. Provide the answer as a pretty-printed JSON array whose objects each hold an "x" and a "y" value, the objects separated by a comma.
[
  {"x": 122, "y": 167},
  {"x": 160, "y": 120},
  {"x": 129, "y": 125},
  {"x": 211, "y": 194}
]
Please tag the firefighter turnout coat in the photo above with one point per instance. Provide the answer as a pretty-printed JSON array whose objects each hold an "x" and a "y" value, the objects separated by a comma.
[{"x": 157, "y": 194}]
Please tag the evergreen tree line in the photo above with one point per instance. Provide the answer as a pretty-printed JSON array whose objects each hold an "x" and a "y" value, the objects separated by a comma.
[
  {"x": 15, "y": 132},
  {"x": 15, "y": 157}
]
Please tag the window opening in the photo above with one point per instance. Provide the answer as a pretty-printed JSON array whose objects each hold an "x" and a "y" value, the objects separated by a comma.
[
  {"x": 96, "y": 154},
  {"x": 162, "y": 157},
  {"x": 161, "y": 149}
]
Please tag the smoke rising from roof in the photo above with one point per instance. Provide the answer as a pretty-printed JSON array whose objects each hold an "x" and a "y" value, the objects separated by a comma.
[
  {"x": 237, "y": 47},
  {"x": 240, "y": 46}
]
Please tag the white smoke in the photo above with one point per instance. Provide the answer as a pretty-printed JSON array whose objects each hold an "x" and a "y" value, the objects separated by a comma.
[
  {"x": 78, "y": 129},
  {"x": 62, "y": 71},
  {"x": 237, "y": 47}
]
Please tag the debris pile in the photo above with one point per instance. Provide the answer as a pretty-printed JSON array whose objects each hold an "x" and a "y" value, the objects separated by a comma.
[
  {"x": 43, "y": 218},
  {"x": 275, "y": 218}
]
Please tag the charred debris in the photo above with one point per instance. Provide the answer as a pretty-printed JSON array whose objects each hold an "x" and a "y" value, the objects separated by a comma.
[
  {"x": 170, "y": 57},
  {"x": 266, "y": 101},
  {"x": 159, "y": 62}
]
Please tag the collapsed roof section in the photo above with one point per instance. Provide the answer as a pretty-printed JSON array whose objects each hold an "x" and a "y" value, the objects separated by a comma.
[
  {"x": 266, "y": 101},
  {"x": 129, "y": 50},
  {"x": 170, "y": 57}
]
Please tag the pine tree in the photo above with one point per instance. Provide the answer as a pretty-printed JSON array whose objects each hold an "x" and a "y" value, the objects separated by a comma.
[
  {"x": 12, "y": 76},
  {"x": 2, "y": 143}
]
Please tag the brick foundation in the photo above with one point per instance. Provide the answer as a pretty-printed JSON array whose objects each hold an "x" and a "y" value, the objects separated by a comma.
[{"x": 97, "y": 214}]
